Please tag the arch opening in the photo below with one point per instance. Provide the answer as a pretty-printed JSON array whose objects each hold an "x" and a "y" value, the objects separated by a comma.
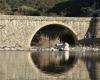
[
  {"x": 53, "y": 32},
  {"x": 48, "y": 36}
]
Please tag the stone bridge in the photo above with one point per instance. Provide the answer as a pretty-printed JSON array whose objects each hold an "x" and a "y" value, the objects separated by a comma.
[{"x": 20, "y": 30}]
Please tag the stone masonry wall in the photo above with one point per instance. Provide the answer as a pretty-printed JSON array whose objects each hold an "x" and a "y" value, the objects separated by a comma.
[{"x": 19, "y": 30}]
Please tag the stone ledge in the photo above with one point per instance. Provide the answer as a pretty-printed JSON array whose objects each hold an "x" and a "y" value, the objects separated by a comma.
[{"x": 44, "y": 18}]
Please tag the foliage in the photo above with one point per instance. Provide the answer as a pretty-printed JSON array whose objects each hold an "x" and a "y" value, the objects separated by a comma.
[
  {"x": 49, "y": 7},
  {"x": 26, "y": 10}
]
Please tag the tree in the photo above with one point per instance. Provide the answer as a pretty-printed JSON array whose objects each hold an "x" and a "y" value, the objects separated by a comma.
[{"x": 27, "y": 10}]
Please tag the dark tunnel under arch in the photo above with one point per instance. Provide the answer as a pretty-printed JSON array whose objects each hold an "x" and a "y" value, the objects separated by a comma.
[
  {"x": 47, "y": 36},
  {"x": 53, "y": 32}
]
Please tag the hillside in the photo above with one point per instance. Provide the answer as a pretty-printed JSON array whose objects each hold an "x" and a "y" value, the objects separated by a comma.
[{"x": 49, "y": 7}]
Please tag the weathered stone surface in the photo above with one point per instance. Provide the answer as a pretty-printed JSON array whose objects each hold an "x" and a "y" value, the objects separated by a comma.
[{"x": 21, "y": 29}]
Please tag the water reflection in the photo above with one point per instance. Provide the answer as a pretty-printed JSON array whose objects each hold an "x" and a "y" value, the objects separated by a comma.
[
  {"x": 52, "y": 62},
  {"x": 16, "y": 65}
]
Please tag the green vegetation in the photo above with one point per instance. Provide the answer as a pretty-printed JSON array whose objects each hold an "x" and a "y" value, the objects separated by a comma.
[{"x": 49, "y": 7}]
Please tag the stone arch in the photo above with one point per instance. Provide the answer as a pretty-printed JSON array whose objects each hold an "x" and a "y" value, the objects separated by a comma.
[
  {"x": 42, "y": 59},
  {"x": 73, "y": 33}
]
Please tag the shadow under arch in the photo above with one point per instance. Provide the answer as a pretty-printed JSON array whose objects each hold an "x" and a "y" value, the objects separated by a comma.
[
  {"x": 48, "y": 36},
  {"x": 52, "y": 31}
]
